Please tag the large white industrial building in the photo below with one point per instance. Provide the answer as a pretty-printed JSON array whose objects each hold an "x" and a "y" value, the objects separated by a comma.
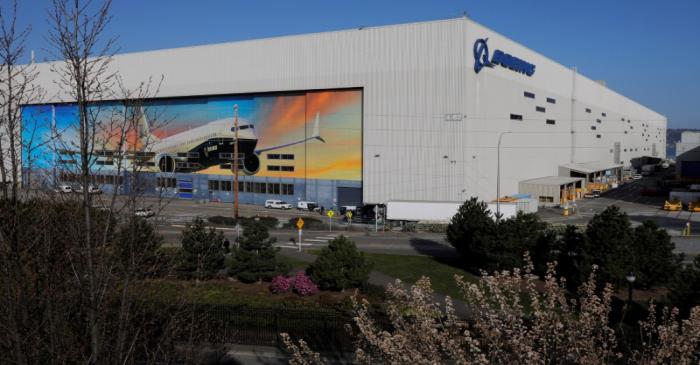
[{"x": 436, "y": 98}]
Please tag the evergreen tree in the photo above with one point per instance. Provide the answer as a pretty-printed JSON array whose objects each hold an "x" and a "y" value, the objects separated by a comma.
[
  {"x": 202, "y": 254},
  {"x": 610, "y": 237},
  {"x": 524, "y": 232},
  {"x": 137, "y": 248},
  {"x": 654, "y": 260},
  {"x": 684, "y": 287},
  {"x": 256, "y": 258},
  {"x": 340, "y": 265},
  {"x": 573, "y": 259},
  {"x": 472, "y": 232}
]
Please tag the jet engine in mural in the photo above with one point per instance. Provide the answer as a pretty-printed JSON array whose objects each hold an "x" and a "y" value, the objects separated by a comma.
[{"x": 212, "y": 144}]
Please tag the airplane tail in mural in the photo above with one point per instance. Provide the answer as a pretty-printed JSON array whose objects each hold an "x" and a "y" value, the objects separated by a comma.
[{"x": 315, "y": 134}]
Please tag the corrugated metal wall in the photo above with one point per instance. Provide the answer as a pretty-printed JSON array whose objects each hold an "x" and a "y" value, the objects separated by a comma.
[{"x": 430, "y": 124}]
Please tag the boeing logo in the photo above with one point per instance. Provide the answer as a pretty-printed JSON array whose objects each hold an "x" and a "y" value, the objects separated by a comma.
[{"x": 481, "y": 59}]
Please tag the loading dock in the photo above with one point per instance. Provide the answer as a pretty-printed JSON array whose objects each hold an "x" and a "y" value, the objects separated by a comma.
[{"x": 552, "y": 191}]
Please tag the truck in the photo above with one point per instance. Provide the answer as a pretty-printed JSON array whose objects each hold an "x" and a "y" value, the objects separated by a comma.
[{"x": 416, "y": 211}]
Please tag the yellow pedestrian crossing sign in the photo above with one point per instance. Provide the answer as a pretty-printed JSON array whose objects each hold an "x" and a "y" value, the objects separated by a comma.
[
  {"x": 300, "y": 223},
  {"x": 330, "y": 214}
]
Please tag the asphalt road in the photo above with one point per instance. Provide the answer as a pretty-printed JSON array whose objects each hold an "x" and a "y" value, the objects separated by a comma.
[{"x": 395, "y": 243}]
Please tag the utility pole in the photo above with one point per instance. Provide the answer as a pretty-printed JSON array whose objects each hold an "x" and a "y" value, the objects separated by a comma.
[{"x": 234, "y": 162}]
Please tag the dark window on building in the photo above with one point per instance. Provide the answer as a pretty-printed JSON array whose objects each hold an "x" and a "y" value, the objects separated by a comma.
[
  {"x": 603, "y": 114},
  {"x": 551, "y": 121},
  {"x": 273, "y": 156},
  {"x": 551, "y": 100},
  {"x": 273, "y": 168},
  {"x": 213, "y": 185},
  {"x": 593, "y": 127},
  {"x": 287, "y": 157},
  {"x": 273, "y": 188},
  {"x": 597, "y": 136},
  {"x": 588, "y": 110},
  {"x": 287, "y": 168},
  {"x": 166, "y": 182},
  {"x": 540, "y": 109},
  {"x": 528, "y": 94},
  {"x": 516, "y": 117},
  {"x": 625, "y": 132}
]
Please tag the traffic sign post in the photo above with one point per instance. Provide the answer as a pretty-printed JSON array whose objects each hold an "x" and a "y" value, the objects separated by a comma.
[
  {"x": 349, "y": 215},
  {"x": 330, "y": 220},
  {"x": 300, "y": 225}
]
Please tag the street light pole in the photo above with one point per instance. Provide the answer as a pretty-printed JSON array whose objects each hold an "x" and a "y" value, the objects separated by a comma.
[
  {"x": 498, "y": 175},
  {"x": 630, "y": 280},
  {"x": 234, "y": 162}
]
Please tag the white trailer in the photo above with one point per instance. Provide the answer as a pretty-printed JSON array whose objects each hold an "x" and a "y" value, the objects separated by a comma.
[{"x": 417, "y": 211}]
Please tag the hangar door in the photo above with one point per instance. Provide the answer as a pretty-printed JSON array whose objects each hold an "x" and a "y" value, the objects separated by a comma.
[{"x": 349, "y": 196}]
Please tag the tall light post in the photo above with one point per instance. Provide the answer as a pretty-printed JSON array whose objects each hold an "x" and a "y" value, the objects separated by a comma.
[
  {"x": 234, "y": 162},
  {"x": 498, "y": 174},
  {"x": 630, "y": 280}
]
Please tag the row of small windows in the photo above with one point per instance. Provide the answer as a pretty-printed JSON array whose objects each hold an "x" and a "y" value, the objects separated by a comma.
[
  {"x": 588, "y": 110},
  {"x": 94, "y": 179},
  {"x": 520, "y": 117},
  {"x": 530, "y": 95},
  {"x": 279, "y": 168},
  {"x": 277, "y": 156},
  {"x": 253, "y": 187}
]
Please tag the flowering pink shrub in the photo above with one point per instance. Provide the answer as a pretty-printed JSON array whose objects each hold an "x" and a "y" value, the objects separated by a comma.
[
  {"x": 303, "y": 285},
  {"x": 281, "y": 284}
]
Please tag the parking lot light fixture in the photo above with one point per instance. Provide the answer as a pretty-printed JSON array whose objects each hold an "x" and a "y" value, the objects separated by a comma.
[{"x": 631, "y": 278}]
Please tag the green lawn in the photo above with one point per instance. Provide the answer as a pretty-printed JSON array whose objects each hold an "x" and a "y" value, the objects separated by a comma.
[
  {"x": 411, "y": 268},
  {"x": 296, "y": 264}
]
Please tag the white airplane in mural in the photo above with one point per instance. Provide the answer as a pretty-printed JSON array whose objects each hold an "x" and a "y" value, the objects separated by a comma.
[{"x": 212, "y": 144}]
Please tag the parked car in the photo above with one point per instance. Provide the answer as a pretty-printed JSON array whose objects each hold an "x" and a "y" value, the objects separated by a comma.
[
  {"x": 64, "y": 188},
  {"x": 304, "y": 205},
  {"x": 93, "y": 189},
  {"x": 277, "y": 204},
  {"x": 592, "y": 194},
  {"x": 145, "y": 212},
  {"x": 637, "y": 176}
]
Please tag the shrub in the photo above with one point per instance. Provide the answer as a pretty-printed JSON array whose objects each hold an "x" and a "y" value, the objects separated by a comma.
[
  {"x": 256, "y": 259},
  {"x": 202, "y": 254},
  {"x": 340, "y": 265},
  {"x": 303, "y": 285},
  {"x": 431, "y": 227},
  {"x": 224, "y": 221},
  {"x": 309, "y": 223},
  {"x": 280, "y": 284}
]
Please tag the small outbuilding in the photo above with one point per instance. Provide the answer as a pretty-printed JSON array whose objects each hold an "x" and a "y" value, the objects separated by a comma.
[{"x": 552, "y": 191}]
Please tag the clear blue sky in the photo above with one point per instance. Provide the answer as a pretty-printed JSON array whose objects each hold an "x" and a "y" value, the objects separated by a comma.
[{"x": 648, "y": 50}]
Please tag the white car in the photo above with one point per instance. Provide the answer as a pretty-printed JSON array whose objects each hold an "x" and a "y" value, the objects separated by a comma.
[
  {"x": 92, "y": 189},
  {"x": 304, "y": 205},
  {"x": 277, "y": 204},
  {"x": 637, "y": 176},
  {"x": 64, "y": 188},
  {"x": 144, "y": 212}
]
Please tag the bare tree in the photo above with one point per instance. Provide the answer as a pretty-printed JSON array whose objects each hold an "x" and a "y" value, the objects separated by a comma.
[{"x": 17, "y": 87}]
